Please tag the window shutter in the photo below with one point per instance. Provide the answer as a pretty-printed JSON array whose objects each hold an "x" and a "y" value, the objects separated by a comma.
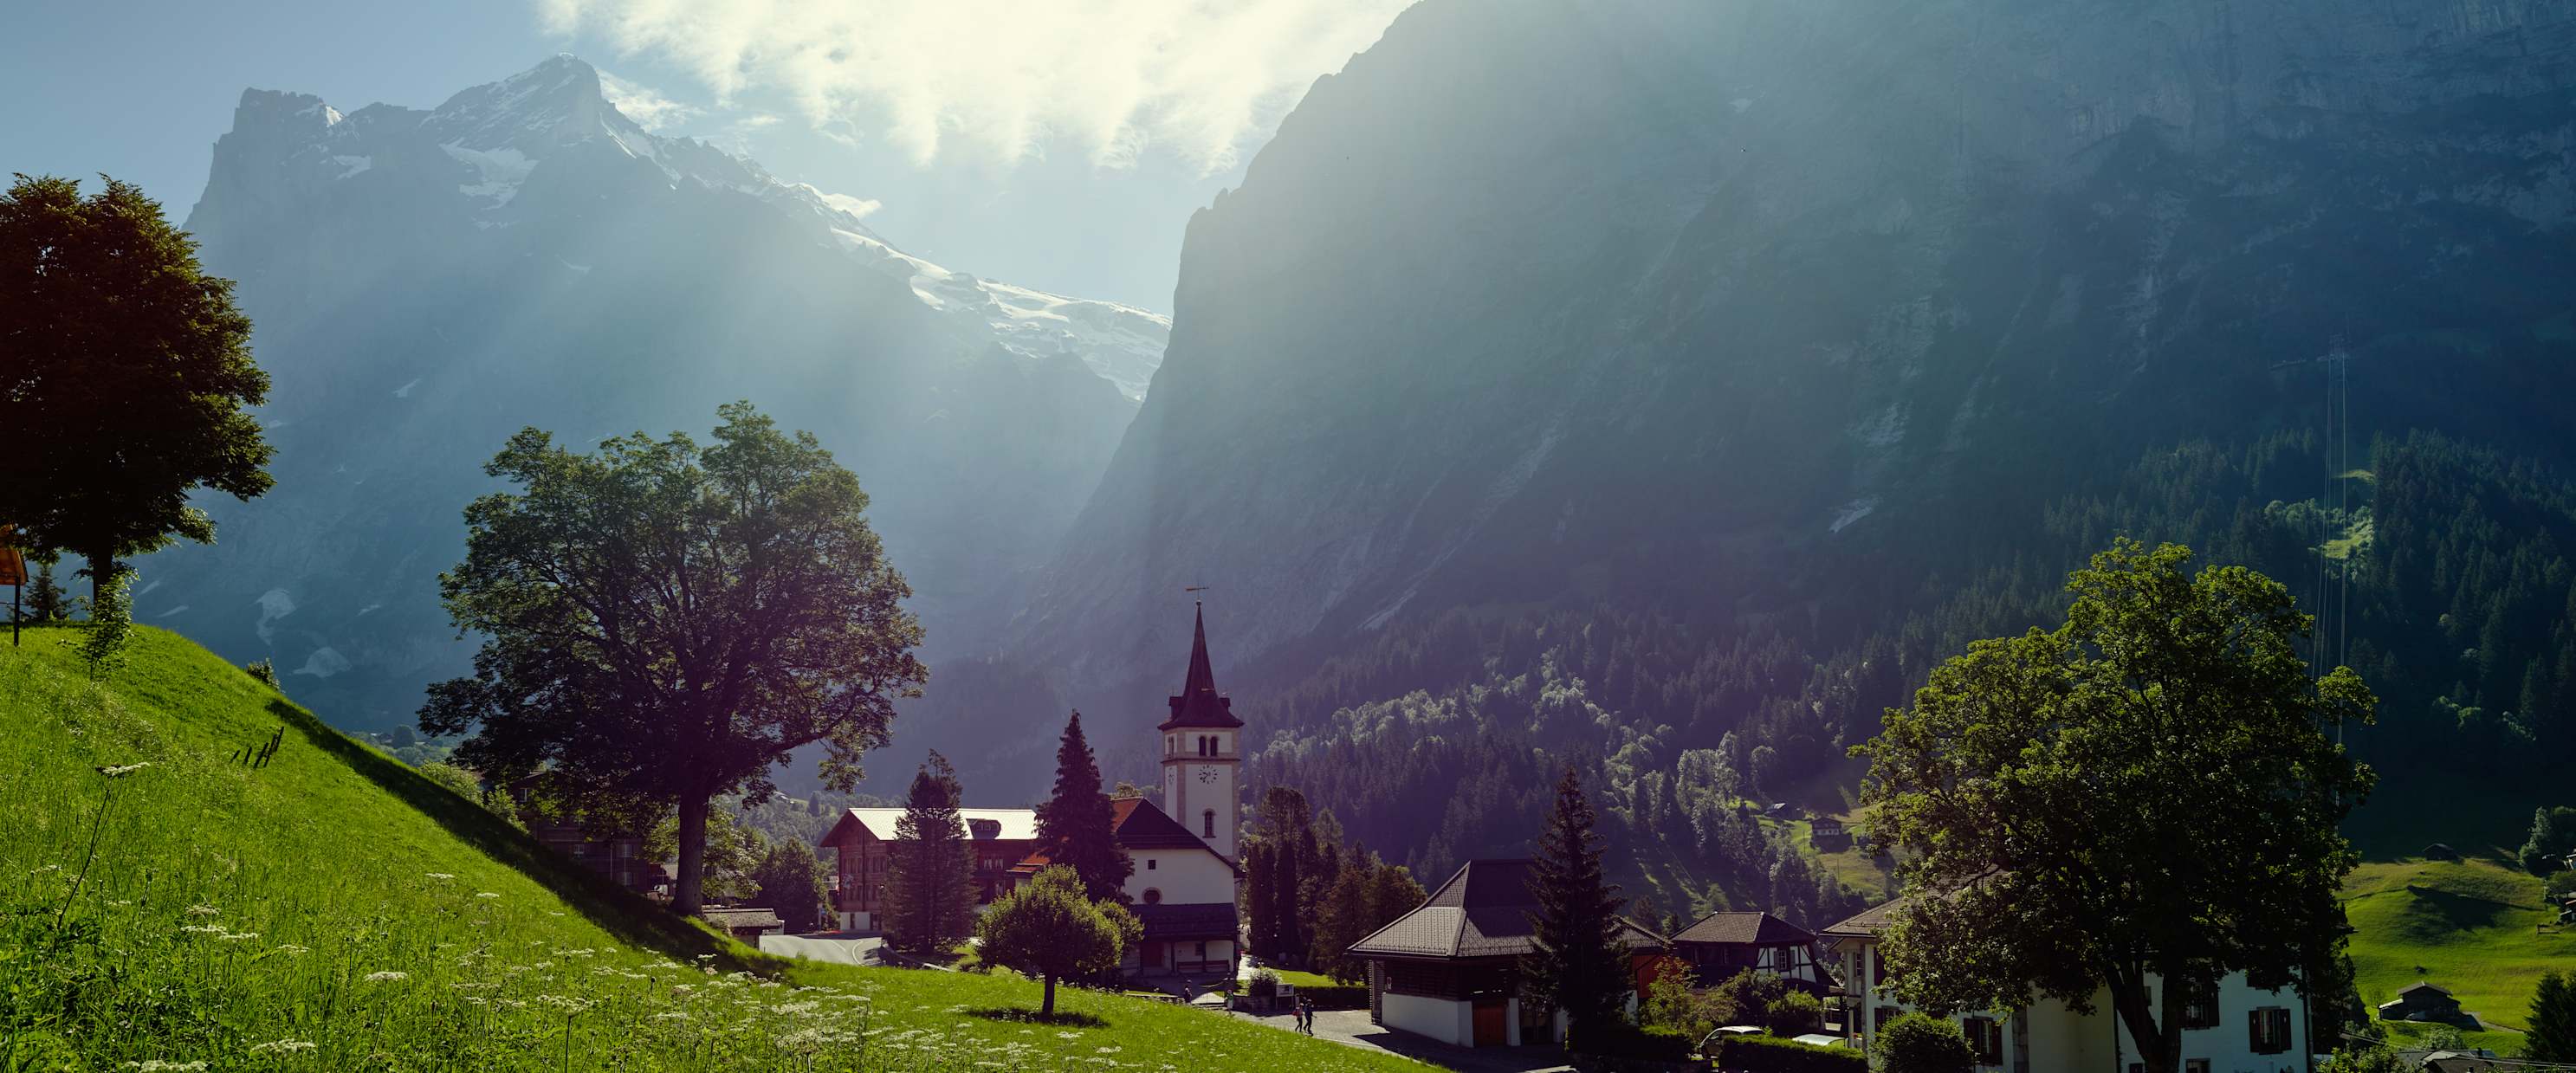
[{"x": 2254, "y": 1030}]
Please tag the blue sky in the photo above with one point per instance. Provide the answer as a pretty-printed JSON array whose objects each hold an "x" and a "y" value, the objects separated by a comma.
[{"x": 1059, "y": 145}]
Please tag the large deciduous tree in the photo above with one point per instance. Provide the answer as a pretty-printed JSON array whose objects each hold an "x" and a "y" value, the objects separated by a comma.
[
  {"x": 2149, "y": 791},
  {"x": 1578, "y": 961},
  {"x": 124, "y": 370},
  {"x": 790, "y": 880},
  {"x": 1076, "y": 822},
  {"x": 667, "y": 623},
  {"x": 930, "y": 887}
]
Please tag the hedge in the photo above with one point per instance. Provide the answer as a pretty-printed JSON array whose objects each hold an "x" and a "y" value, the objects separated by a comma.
[
  {"x": 1769, "y": 1054},
  {"x": 1335, "y": 996}
]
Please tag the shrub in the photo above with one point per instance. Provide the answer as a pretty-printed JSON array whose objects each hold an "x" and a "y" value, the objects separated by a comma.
[
  {"x": 1795, "y": 1014},
  {"x": 1746, "y": 997},
  {"x": 2561, "y": 885},
  {"x": 1915, "y": 1043},
  {"x": 1265, "y": 984},
  {"x": 1334, "y": 996},
  {"x": 1767, "y": 1054},
  {"x": 264, "y": 671},
  {"x": 1631, "y": 1042},
  {"x": 111, "y": 622}
]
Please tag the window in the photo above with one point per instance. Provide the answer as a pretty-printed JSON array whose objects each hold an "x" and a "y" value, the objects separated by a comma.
[
  {"x": 1879, "y": 1018},
  {"x": 1207, "y": 824},
  {"x": 1149, "y": 864},
  {"x": 2195, "y": 1065},
  {"x": 1153, "y": 896},
  {"x": 2270, "y": 1029},
  {"x": 1986, "y": 1038},
  {"x": 2200, "y": 1004}
]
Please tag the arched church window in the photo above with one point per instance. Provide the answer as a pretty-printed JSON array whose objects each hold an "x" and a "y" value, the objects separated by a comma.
[
  {"x": 1207, "y": 824},
  {"x": 1153, "y": 896}
]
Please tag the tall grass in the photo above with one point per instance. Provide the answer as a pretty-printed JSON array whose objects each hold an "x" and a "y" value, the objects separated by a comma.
[{"x": 162, "y": 908}]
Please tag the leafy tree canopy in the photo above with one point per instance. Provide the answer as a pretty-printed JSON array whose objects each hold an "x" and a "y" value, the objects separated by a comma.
[
  {"x": 124, "y": 374},
  {"x": 2152, "y": 789},
  {"x": 668, "y": 622},
  {"x": 1047, "y": 929},
  {"x": 1915, "y": 1043}
]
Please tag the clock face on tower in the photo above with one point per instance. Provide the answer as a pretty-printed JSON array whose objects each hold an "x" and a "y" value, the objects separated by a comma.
[{"x": 1207, "y": 774}]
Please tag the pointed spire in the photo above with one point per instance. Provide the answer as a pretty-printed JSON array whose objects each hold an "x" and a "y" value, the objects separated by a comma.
[{"x": 1199, "y": 704}]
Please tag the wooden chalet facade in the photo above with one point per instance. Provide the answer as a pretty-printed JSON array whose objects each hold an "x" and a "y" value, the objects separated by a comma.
[
  {"x": 1720, "y": 945},
  {"x": 862, "y": 841}
]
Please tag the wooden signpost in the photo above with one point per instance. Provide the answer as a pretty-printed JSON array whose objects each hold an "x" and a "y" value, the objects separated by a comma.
[{"x": 13, "y": 573}]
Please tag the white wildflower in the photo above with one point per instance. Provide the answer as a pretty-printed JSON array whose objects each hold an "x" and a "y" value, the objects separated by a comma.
[
  {"x": 204, "y": 911},
  {"x": 388, "y": 974},
  {"x": 284, "y": 1046},
  {"x": 121, "y": 771}
]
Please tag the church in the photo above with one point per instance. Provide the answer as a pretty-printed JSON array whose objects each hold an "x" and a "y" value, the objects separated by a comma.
[{"x": 1186, "y": 862}]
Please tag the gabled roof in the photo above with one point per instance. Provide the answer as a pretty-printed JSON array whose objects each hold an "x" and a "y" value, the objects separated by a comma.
[
  {"x": 2422, "y": 986},
  {"x": 1199, "y": 704},
  {"x": 1865, "y": 924},
  {"x": 754, "y": 917},
  {"x": 1482, "y": 911},
  {"x": 1136, "y": 824},
  {"x": 1745, "y": 929},
  {"x": 1634, "y": 936},
  {"x": 982, "y": 824}
]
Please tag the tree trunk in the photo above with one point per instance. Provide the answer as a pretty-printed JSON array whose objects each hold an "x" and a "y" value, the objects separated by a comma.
[
  {"x": 2159, "y": 1040},
  {"x": 693, "y": 855},
  {"x": 1046, "y": 1007},
  {"x": 101, "y": 568}
]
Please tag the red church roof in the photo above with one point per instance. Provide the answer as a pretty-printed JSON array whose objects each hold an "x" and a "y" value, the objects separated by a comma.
[
  {"x": 1199, "y": 704},
  {"x": 1136, "y": 824}
]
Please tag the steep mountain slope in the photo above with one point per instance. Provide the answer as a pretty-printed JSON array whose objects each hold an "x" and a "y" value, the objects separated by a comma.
[
  {"x": 334, "y": 910},
  {"x": 426, "y": 282},
  {"x": 1628, "y": 374}
]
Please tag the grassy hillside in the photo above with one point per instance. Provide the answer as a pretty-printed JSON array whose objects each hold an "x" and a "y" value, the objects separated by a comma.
[
  {"x": 2473, "y": 926},
  {"x": 336, "y": 911}
]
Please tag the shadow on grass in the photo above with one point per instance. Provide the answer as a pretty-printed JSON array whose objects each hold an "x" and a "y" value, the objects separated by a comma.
[
  {"x": 630, "y": 917},
  {"x": 2449, "y": 912},
  {"x": 1016, "y": 1015}
]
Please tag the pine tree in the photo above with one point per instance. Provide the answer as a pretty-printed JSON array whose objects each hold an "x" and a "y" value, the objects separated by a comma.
[
  {"x": 2552, "y": 1037},
  {"x": 1285, "y": 876},
  {"x": 1260, "y": 907},
  {"x": 1577, "y": 959},
  {"x": 1075, "y": 823},
  {"x": 930, "y": 885},
  {"x": 45, "y": 602}
]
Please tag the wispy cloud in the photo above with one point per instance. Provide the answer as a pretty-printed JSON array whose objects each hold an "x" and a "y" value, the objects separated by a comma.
[
  {"x": 1202, "y": 79},
  {"x": 647, "y": 107}
]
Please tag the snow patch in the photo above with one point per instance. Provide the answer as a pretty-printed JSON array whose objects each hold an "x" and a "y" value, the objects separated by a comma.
[
  {"x": 404, "y": 392},
  {"x": 172, "y": 611},
  {"x": 1853, "y": 511},
  {"x": 323, "y": 663},
  {"x": 500, "y": 171},
  {"x": 274, "y": 604}
]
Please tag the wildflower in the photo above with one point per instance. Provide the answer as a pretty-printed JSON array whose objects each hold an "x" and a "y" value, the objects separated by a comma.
[
  {"x": 204, "y": 929},
  {"x": 284, "y": 1046},
  {"x": 442, "y": 875},
  {"x": 155, "y": 1065},
  {"x": 204, "y": 911},
  {"x": 45, "y": 869},
  {"x": 236, "y": 936},
  {"x": 121, "y": 771},
  {"x": 485, "y": 894},
  {"x": 290, "y": 949},
  {"x": 380, "y": 977}
]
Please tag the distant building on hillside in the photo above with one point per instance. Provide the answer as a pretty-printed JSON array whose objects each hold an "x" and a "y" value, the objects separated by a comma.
[
  {"x": 1720, "y": 945},
  {"x": 2228, "y": 1024},
  {"x": 2423, "y": 1001},
  {"x": 864, "y": 838},
  {"x": 1829, "y": 835}
]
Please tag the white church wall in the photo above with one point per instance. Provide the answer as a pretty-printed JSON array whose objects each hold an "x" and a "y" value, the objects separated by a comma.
[
  {"x": 1185, "y": 877},
  {"x": 1446, "y": 1020}
]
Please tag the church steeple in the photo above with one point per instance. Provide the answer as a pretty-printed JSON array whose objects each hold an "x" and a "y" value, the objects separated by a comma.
[
  {"x": 1201, "y": 752},
  {"x": 1199, "y": 704}
]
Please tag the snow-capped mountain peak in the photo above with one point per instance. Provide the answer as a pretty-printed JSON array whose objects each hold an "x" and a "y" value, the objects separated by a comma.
[{"x": 488, "y": 143}]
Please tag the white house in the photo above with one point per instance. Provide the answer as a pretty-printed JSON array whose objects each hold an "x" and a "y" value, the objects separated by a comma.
[{"x": 2231, "y": 1027}]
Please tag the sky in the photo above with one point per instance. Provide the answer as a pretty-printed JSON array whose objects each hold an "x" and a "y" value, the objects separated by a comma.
[{"x": 1056, "y": 144}]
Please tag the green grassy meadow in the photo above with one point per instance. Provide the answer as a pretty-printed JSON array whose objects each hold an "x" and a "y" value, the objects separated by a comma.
[
  {"x": 2474, "y": 925},
  {"x": 336, "y": 911}
]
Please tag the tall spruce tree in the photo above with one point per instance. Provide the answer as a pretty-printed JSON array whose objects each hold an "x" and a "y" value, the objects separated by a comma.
[
  {"x": 1576, "y": 926},
  {"x": 125, "y": 376},
  {"x": 930, "y": 885},
  {"x": 1075, "y": 822},
  {"x": 2553, "y": 1020},
  {"x": 1286, "y": 901},
  {"x": 1260, "y": 899}
]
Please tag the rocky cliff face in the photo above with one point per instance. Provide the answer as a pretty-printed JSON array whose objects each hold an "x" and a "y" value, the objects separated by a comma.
[
  {"x": 1731, "y": 311},
  {"x": 424, "y": 283}
]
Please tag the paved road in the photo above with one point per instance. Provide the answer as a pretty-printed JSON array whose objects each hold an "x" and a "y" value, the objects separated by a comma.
[
  {"x": 1351, "y": 1028},
  {"x": 839, "y": 947}
]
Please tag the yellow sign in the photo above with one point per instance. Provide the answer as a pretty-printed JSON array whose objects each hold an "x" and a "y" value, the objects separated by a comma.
[{"x": 13, "y": 569}]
